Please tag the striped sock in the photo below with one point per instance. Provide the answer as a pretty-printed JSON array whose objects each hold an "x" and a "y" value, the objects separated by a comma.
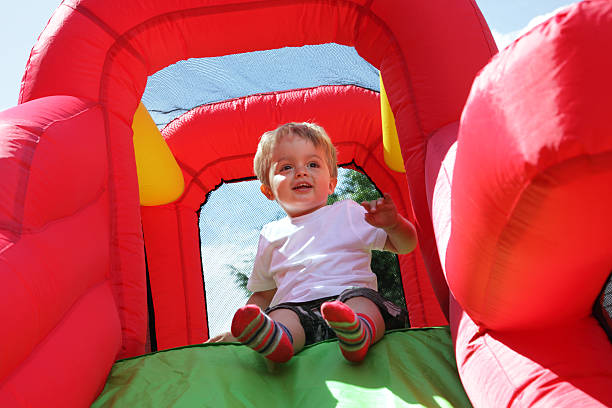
[
  {"x": 255, "y": 329},
  {"x": 355, "y": 331}
]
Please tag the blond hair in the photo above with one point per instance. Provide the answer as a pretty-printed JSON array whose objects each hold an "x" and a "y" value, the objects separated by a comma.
[{"x": 308, "y": 131}]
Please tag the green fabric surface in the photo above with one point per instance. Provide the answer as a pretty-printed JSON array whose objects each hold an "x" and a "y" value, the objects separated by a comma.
[{"x": 407, "y": 368}]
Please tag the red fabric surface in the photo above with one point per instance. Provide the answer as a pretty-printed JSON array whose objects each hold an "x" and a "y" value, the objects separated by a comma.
[
  {"x": 563, "y": 366},
  {"x": 54, "y": 237},
  {"x": 54, "y": 253},
  {"x": 533, "y": 178},
  {"x": 70, "y": 366},
  {"x": 526, "y": 216},
  {"x": 175, "y": 274},
  {"x": 126, "y": 245}
]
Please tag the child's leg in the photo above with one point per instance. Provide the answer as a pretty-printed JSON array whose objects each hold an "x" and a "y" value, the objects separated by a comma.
[
  {"x": 292, "y": 322},
  {"x": 272, "y": 338},
  {"x": 357, "y": 323}
]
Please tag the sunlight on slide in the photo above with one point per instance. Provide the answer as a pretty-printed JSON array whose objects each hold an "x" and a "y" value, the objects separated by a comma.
[{"x": 348, "y": 394}]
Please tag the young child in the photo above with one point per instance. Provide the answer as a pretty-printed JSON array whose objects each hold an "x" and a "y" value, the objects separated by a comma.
[{"x": 312, "y": 271}]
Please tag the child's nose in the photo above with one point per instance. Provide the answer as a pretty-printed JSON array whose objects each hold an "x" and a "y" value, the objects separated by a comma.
[{"x": 301, "y": 171}]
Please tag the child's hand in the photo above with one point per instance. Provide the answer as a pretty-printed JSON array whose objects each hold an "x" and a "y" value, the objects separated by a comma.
[
  {"x": 223, "y": 337},
  {"x": 401, "y": 234},
  {"x": 381, "y": 213}
]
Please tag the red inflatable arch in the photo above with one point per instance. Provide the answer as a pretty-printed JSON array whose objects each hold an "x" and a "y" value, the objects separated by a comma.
[
  {"x": 352, "y": 118},
  {"x": 99, "y": 54}
]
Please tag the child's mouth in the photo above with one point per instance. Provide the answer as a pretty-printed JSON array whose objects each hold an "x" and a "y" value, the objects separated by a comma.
[{"x": 302, "y": 186}]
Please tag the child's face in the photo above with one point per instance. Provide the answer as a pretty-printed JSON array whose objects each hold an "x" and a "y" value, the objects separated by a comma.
[{"x": 299, "y": 176}]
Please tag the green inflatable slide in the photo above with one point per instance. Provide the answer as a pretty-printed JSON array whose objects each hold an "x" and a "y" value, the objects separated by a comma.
[{"x": 407, "y": 368}]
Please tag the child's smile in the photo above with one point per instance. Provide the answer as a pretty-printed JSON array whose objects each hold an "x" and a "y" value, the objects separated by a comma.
[{"x": 302, "y": 186}]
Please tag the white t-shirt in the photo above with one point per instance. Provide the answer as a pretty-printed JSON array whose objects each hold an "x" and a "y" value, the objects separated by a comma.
[{"x": 316, "y": 255}]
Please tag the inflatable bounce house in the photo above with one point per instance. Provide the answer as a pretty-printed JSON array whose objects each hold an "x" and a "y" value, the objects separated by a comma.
[{"x": 503, "y": 161}]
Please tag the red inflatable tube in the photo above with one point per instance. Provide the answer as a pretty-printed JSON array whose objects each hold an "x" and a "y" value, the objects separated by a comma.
[
  {"x": 531, "y": 224},
  {"x": 56, "y": 305},
  {"x": 523, "y": 221}
]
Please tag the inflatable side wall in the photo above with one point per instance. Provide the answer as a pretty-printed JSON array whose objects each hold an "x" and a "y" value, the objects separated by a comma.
[
  {"x": 522, "y": 209},
  {"x": 60, "y": 323}
]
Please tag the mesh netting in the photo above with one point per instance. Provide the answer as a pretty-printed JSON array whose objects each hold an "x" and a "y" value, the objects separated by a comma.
[
  {"x": 230, "y": 222},
  {"x": 603, "y": 308},
  {"x": 187, "y": 84}
]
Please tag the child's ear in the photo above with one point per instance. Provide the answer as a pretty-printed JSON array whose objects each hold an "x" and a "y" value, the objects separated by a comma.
[
  {"x": 267, "y": 191},
  {"x": 332, "y": 185}
]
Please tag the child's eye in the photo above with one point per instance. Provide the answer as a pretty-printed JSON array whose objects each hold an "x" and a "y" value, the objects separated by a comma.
[
  {"x": 285, "y": 167},
  {"x": 313, "y": 164}
]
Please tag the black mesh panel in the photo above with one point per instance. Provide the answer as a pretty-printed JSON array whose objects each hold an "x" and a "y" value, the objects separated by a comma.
[{"x": 602, "y": 309}]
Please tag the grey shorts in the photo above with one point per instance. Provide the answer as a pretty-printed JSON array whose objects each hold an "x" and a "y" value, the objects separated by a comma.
[{"x": 317, "y": 330}]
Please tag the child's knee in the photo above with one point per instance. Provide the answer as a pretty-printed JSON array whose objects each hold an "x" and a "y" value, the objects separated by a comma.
[
  {"x": 292, "y": 322},
  {"x": 361, "y": 304}
]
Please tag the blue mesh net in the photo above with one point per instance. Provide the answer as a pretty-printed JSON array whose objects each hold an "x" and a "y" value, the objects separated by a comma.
[{"x": 187, "y": 84}]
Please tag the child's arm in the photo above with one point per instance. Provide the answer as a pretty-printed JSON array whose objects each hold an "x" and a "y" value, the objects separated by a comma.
[
  {"x": 401, "y": 234},
  {"x": 261, "y": 299}
]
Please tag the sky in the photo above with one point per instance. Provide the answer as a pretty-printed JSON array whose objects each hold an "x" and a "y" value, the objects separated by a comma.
[{"x": 22, "y": 21}]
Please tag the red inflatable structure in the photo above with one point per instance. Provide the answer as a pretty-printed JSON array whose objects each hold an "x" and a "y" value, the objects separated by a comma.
[
  {"x": 344, "y": 111},
  {"x": 509, "y": 184}
]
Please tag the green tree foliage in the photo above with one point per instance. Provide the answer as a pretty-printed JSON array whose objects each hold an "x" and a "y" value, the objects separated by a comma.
[
  {"x": 241, "y": 278},
  {"x": 358, "y": 187}
]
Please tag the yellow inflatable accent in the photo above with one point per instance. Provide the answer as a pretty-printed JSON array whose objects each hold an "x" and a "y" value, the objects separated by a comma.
[
  {"x": 391, "y": 147},
  {"x": 160, "y": 180}
]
